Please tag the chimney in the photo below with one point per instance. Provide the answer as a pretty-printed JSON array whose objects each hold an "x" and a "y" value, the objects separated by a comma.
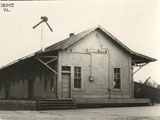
[{"x": 71, "y": 34}]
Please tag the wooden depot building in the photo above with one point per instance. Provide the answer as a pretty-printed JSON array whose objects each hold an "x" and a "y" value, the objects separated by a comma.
[{"x": 90, "y": 68}]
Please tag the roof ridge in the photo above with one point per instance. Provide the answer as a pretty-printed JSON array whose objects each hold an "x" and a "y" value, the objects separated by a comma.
[{"x": 71, "y": 40}]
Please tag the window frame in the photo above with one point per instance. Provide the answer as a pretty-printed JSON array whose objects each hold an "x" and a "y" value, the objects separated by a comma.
[
  {"x": 66, "y": 71},
  {"x": 120, "y": 84},
  {"x": 81, "y": 82}
]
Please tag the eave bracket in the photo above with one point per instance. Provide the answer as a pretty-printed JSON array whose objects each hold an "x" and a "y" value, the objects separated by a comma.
[
  {"x": 46, "y": 63},
  {"x": 139, "y": 66}
]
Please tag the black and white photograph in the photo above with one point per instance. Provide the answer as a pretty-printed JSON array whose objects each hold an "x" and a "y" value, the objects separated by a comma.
[{"x": 79, "y": 60}]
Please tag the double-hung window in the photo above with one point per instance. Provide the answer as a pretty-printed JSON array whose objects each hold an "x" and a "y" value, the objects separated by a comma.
[
  {"x": 117, "y": 78},
  {"x": 77, "y": 77}
]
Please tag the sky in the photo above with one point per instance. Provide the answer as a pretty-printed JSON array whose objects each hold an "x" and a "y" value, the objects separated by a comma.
[{"x": 136, "y": 23}]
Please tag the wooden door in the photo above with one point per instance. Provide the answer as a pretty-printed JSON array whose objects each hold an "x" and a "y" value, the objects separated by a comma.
[{"x": 66, "y": 86}]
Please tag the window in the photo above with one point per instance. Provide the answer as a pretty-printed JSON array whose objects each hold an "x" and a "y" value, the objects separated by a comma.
[
  {"x": 77, "y": 77},
  {"x": 117, "y": 78},
  {"x": 66, "y": 68}
]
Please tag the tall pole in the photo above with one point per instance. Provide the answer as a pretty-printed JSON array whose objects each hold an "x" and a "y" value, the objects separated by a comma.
[
  {"x": 44, "y": 19},
  {"x": 42, "y": 47}
]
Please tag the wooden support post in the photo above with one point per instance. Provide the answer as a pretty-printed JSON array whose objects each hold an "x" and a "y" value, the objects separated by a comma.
[{"x": 59, "y": 76}]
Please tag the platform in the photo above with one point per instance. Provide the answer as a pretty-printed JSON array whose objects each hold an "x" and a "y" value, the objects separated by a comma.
[{"x": 65, "y": 104}]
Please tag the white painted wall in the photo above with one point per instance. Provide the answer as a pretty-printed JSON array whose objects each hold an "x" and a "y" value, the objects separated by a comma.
[{"x": 102, "y": 67}]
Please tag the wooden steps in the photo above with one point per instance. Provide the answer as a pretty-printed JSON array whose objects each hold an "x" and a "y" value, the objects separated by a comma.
[{"x": 55, "y": 104}]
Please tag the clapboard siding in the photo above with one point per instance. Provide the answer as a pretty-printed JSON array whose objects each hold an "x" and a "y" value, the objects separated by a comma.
[{"x": 103, "y": 65}]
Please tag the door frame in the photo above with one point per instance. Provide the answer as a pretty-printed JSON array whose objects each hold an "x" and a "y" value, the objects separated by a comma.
[{"x": 70, "y": 89}]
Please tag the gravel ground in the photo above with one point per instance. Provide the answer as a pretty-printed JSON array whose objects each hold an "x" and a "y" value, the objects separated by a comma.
[{"x": 119, "y": 113}]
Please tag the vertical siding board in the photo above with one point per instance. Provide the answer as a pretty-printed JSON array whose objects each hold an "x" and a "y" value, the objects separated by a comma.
[{"x": 59, "y": 75}]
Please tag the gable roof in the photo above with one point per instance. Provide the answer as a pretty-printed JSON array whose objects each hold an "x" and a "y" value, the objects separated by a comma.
[
  {"x": 136, "y": 57},
  {"x": 139, "y": 58},
  {"x": 69, "y": 41}
]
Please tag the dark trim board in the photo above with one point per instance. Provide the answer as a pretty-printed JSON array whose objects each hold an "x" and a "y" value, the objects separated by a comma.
[
  {"x": 103, "y": 105},
  {"x": 18, "y": 105},
  {"x": 127, "y": 103},
  {"x": 65, "y": 104}
]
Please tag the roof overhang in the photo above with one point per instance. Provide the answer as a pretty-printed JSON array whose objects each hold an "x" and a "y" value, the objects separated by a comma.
[{"x": 138, "y": 58}]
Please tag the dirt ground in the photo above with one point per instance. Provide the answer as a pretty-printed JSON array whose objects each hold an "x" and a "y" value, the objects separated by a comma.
[{"x": 119, "y": 113}]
